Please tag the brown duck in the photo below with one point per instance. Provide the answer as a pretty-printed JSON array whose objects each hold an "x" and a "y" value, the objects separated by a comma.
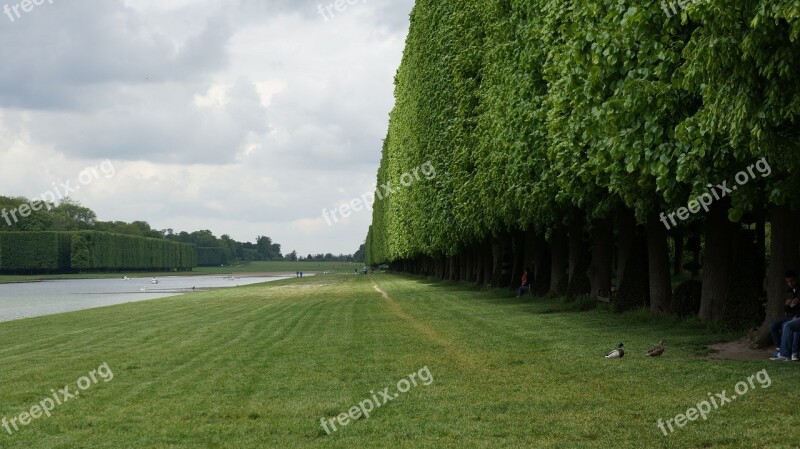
[{"x": 657, "y": 351}]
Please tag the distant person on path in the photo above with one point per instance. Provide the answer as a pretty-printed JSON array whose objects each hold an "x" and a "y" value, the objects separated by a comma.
[
  {"x": 526, "y": 283},
  {"x": 789, "y": 340},
  {"x": 297, "y": 274},
  {"x": 301, "y": 275}
]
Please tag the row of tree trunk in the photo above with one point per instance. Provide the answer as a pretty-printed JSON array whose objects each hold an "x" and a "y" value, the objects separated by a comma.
[{"x": 636, "y": 263}]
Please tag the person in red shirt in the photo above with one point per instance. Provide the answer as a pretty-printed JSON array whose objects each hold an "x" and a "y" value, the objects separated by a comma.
[{"x": 526, "y": 283}]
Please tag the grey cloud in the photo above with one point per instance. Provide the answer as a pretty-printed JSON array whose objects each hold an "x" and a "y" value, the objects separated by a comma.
[
  {"x": 158, "y": 125},
  {"x": 57, "y": 55}
]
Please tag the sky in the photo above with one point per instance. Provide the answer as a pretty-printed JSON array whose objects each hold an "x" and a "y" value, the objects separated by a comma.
[{"x": 243, "y": 117}]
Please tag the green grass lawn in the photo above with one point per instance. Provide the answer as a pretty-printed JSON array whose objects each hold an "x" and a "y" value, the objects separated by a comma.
[
  {"x": 259, "y": 366},
  {"x": 253, "y": 267}
]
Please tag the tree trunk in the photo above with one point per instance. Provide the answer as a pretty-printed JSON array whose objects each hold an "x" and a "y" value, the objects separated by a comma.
[
  {"x": 600, "y": 268},
  {"x": 761, "y": 249},
  {"x": 541, "y": 266},
  {"x": 678, "y": 238},
  {"x": 468, "y": 265},
  {"x": 718, "y": 261},
  {"x": 697, "y": 260},
  {"x": 559, "y": 256},
  {"x": 488, "y": 262},
  {"x": 658, "y": 263},
  {"x": 578, "y": 263},
  {"x": 742, "y": 309},
  {"x": 784, "y": 255},
  {"x": 626, "y": 231},
  {"x": 480, "y": 256},
  {"x": 497, "y": 261},
  {"x": 517, "y": 259},
  {"x": 531, "y": 240},
  {"x": 634, "y": 285}
]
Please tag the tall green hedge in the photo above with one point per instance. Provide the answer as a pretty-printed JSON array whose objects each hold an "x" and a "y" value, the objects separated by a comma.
[
  {"x": 91, "y": 250},
  {"x": 562, "y": 131},
  {"x": 30, "y": 250},
  {"x": 533, "y": 109},
  {"x": 209, "y": 257}
]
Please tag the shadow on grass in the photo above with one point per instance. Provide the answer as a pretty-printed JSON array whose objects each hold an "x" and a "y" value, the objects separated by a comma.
[{"x": 687, "y": 332}]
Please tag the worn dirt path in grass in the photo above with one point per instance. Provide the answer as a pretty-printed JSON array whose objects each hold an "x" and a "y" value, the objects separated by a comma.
[
  {"x": 463, "y": 359},
  {"x": 738, "y": 350}
]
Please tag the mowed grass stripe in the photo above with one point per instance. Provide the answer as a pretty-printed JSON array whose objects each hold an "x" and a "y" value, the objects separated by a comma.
[
  {"x": 570, "y": 360},
  {"x": 259, "y": 366}
]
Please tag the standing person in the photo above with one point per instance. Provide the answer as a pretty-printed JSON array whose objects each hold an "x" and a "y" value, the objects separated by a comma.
[
  {"x": 301, "y": 275},
  {"x": 789, "y": 342},
  {"x": 526, "y": 283}
]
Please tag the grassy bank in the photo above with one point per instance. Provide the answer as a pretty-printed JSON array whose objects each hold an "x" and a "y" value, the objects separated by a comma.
[
  {"x": 250, "y": 267},
  {"x": 259, "y": 366}
]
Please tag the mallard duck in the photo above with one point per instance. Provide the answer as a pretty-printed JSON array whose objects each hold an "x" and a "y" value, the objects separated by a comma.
[
  {"x": 657, "y": 351},
  {"x": 617, "y": 353}
]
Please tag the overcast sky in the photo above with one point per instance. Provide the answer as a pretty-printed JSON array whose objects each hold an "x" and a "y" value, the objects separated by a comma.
[{"x": 245, "y": 117}]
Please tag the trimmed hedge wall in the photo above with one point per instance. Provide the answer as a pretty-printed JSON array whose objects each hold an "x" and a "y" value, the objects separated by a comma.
[
  {"x": 91, "y": 250},
  {"x": 209, "y": 257},
  {"x": 31, "y": 251}
]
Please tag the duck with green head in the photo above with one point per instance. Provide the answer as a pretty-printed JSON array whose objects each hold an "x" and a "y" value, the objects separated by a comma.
[{"x": 617, "y": 353}]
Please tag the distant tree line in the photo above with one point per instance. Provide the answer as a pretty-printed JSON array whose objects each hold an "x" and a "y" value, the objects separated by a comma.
[{"x": 70, "y": 215}]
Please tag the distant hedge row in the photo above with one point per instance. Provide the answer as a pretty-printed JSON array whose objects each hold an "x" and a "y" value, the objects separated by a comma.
[
  {"x": 92, "y": 251},
  {"x": 210, "y": 257}
]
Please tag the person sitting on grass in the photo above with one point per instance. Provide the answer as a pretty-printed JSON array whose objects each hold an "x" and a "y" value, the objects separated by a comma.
[
  {"x": 789, "y": 341},
  {"x": 792, "y": 308},
  {"x": 790, "y": 327},
  {"x": 526, "y": 283}
]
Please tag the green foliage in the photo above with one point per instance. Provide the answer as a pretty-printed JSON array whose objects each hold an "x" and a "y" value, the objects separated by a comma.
[
  {"x": 209, "y": 257},
  {"x": 29, "y": 251},
  {"x": 91, "y": 250},
  {"x": 80, "y": 252},
  {"x": 529, "y": 109}
]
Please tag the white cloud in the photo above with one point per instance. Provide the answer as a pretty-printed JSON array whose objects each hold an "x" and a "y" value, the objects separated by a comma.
[{"x": 244, "y": 117}]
